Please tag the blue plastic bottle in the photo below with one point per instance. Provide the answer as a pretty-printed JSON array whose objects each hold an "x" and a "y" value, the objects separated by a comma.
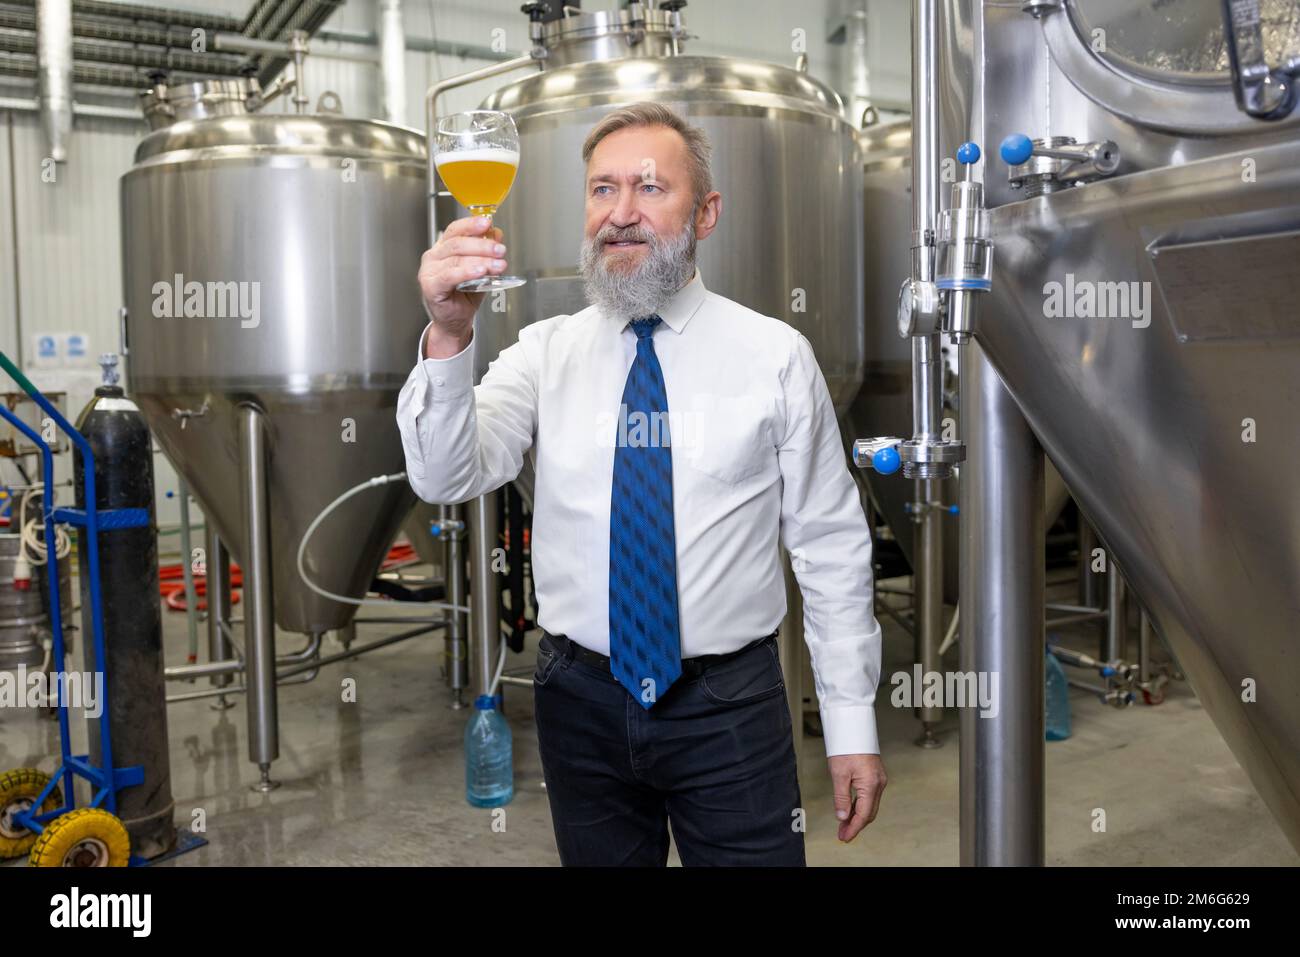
[
  {"x": 1058, "y": 700},
  {"x": 489, "y": 761}
]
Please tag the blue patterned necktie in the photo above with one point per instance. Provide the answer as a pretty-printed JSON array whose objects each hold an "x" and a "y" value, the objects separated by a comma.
[{"x": 644, "y": 638}]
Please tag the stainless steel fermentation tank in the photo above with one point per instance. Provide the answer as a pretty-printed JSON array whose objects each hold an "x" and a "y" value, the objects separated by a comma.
[
  {"x": 789, "y": 242},
  {"x": 1171, "y": 419},
  {"x": 318, "y": 221}
]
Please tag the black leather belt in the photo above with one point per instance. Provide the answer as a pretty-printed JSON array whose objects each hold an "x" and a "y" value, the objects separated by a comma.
[{"x": 691, "y": 667}]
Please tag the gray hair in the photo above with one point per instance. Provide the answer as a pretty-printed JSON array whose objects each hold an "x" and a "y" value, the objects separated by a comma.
[{"x": 698, "y": 148}]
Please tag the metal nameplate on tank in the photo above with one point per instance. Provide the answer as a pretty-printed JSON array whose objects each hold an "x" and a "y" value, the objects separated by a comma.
[{"x": 1227, "y": 288}]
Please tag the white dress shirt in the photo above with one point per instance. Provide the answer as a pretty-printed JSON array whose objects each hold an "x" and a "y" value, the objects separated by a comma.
[{"x": 755, "y": 449}]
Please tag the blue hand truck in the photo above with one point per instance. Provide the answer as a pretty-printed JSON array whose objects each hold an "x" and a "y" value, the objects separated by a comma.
[{"x": 38, "y": 812}]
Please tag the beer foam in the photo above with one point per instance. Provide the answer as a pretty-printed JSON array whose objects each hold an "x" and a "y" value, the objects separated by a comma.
[{"x": 486, "y": 155}]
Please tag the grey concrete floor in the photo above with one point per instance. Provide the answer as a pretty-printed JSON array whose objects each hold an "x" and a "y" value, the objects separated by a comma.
[{"x": 381, "y": 780}]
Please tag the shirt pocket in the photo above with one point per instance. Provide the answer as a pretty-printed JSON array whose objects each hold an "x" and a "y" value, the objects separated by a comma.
[{"x": 728, "y": 437}]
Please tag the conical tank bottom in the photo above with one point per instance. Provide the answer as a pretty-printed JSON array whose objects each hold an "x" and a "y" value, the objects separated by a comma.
[
  {"x": 270, "y": 258},
  {"x": 319, "y": 446},
  {"x": 1147, "y": 327}
]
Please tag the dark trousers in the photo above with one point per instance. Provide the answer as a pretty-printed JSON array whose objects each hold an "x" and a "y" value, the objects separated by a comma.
[{"x": 715, "y": 756}]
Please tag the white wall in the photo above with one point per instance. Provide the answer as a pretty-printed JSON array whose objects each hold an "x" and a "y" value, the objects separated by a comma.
[
  {"x": 63, "y": 272},
  {"x": 68, "y": 249},
  {"x": 889, "y": 50}
]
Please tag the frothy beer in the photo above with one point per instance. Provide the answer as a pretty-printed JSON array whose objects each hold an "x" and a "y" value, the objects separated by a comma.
[{"x": 479, "y": 178}]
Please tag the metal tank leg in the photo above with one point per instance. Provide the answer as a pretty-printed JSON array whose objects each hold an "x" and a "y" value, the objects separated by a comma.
[
  {"x": 187, "y": 570},
  {"x": 928, "y": 599},
  {"x": 1002, "y": 615},
  {"x": 1114, "y": 643},
  {"x": 1089, "y": 581},
  {"x": 347, "y": 635},
  {"x": 484, "y": 618},
  {"x": 1144, "y": 649},
  {"x": 218, "y": 574},
  {"x": 259, "y": 622},
  {"x": 454, "y": 645}
]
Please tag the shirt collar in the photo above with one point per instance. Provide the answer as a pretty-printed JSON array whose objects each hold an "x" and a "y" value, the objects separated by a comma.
[{"x": 677, "y": 311}]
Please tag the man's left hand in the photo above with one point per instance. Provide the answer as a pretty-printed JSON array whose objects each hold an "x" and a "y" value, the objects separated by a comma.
[{"x": 858, "y": 780}]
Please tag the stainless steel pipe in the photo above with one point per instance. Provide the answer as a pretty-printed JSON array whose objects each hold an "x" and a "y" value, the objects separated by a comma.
[
  {"x": 392, "y": 60},
  {"x": 217, "y": 567},
  {"x": 1114, "y": 643},
  {"x": 187, "y": 569},
  {"x": 925, "y": 135},
  {"x": 54, "y": 73},
  {"x": 305, "y": 672},
  {"x": 1144, "y": 649},
  {"x": 1002, "y": 607},
  {"x": 259, "y": 622},
  {"x": 1089, "y": 580},
  {"x": 1076, "y": 618},
  {"x": 457, "y": 654},
  {"x": 927, "y": 376},
  {"x": 208, "y": 669},
  {"x": 484, "y": 618},
  {"x": 929, "y": 597},
  {"x": 431, "y": 118}
]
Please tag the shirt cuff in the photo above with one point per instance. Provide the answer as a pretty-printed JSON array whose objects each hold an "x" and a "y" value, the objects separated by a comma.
[
  {"x": 450, "y": 377},
  {"x": 850, "y": 730}
]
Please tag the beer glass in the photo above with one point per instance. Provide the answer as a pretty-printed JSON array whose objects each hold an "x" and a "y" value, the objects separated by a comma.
[{"x": 477, "y": 156}]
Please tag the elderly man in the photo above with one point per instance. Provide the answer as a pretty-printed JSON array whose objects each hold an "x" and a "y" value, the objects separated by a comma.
[{"x": 674, "y": 434}]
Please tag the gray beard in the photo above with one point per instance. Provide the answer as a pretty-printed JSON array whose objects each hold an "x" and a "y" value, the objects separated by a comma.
[{"x": 620, "y": 294}]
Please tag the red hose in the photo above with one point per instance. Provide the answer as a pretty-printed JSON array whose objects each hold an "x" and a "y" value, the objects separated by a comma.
[
  {"x": 172, "y": 579},
  {"x": 398, "y": 554}
]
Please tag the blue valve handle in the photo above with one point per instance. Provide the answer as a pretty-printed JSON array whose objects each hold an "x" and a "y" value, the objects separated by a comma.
[
  {"x": 910, "y": 507},
  {"x": 1016, "y": 149},
  {"x": 968, "y": 154},
  {"x": 886, "y": 461}
]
